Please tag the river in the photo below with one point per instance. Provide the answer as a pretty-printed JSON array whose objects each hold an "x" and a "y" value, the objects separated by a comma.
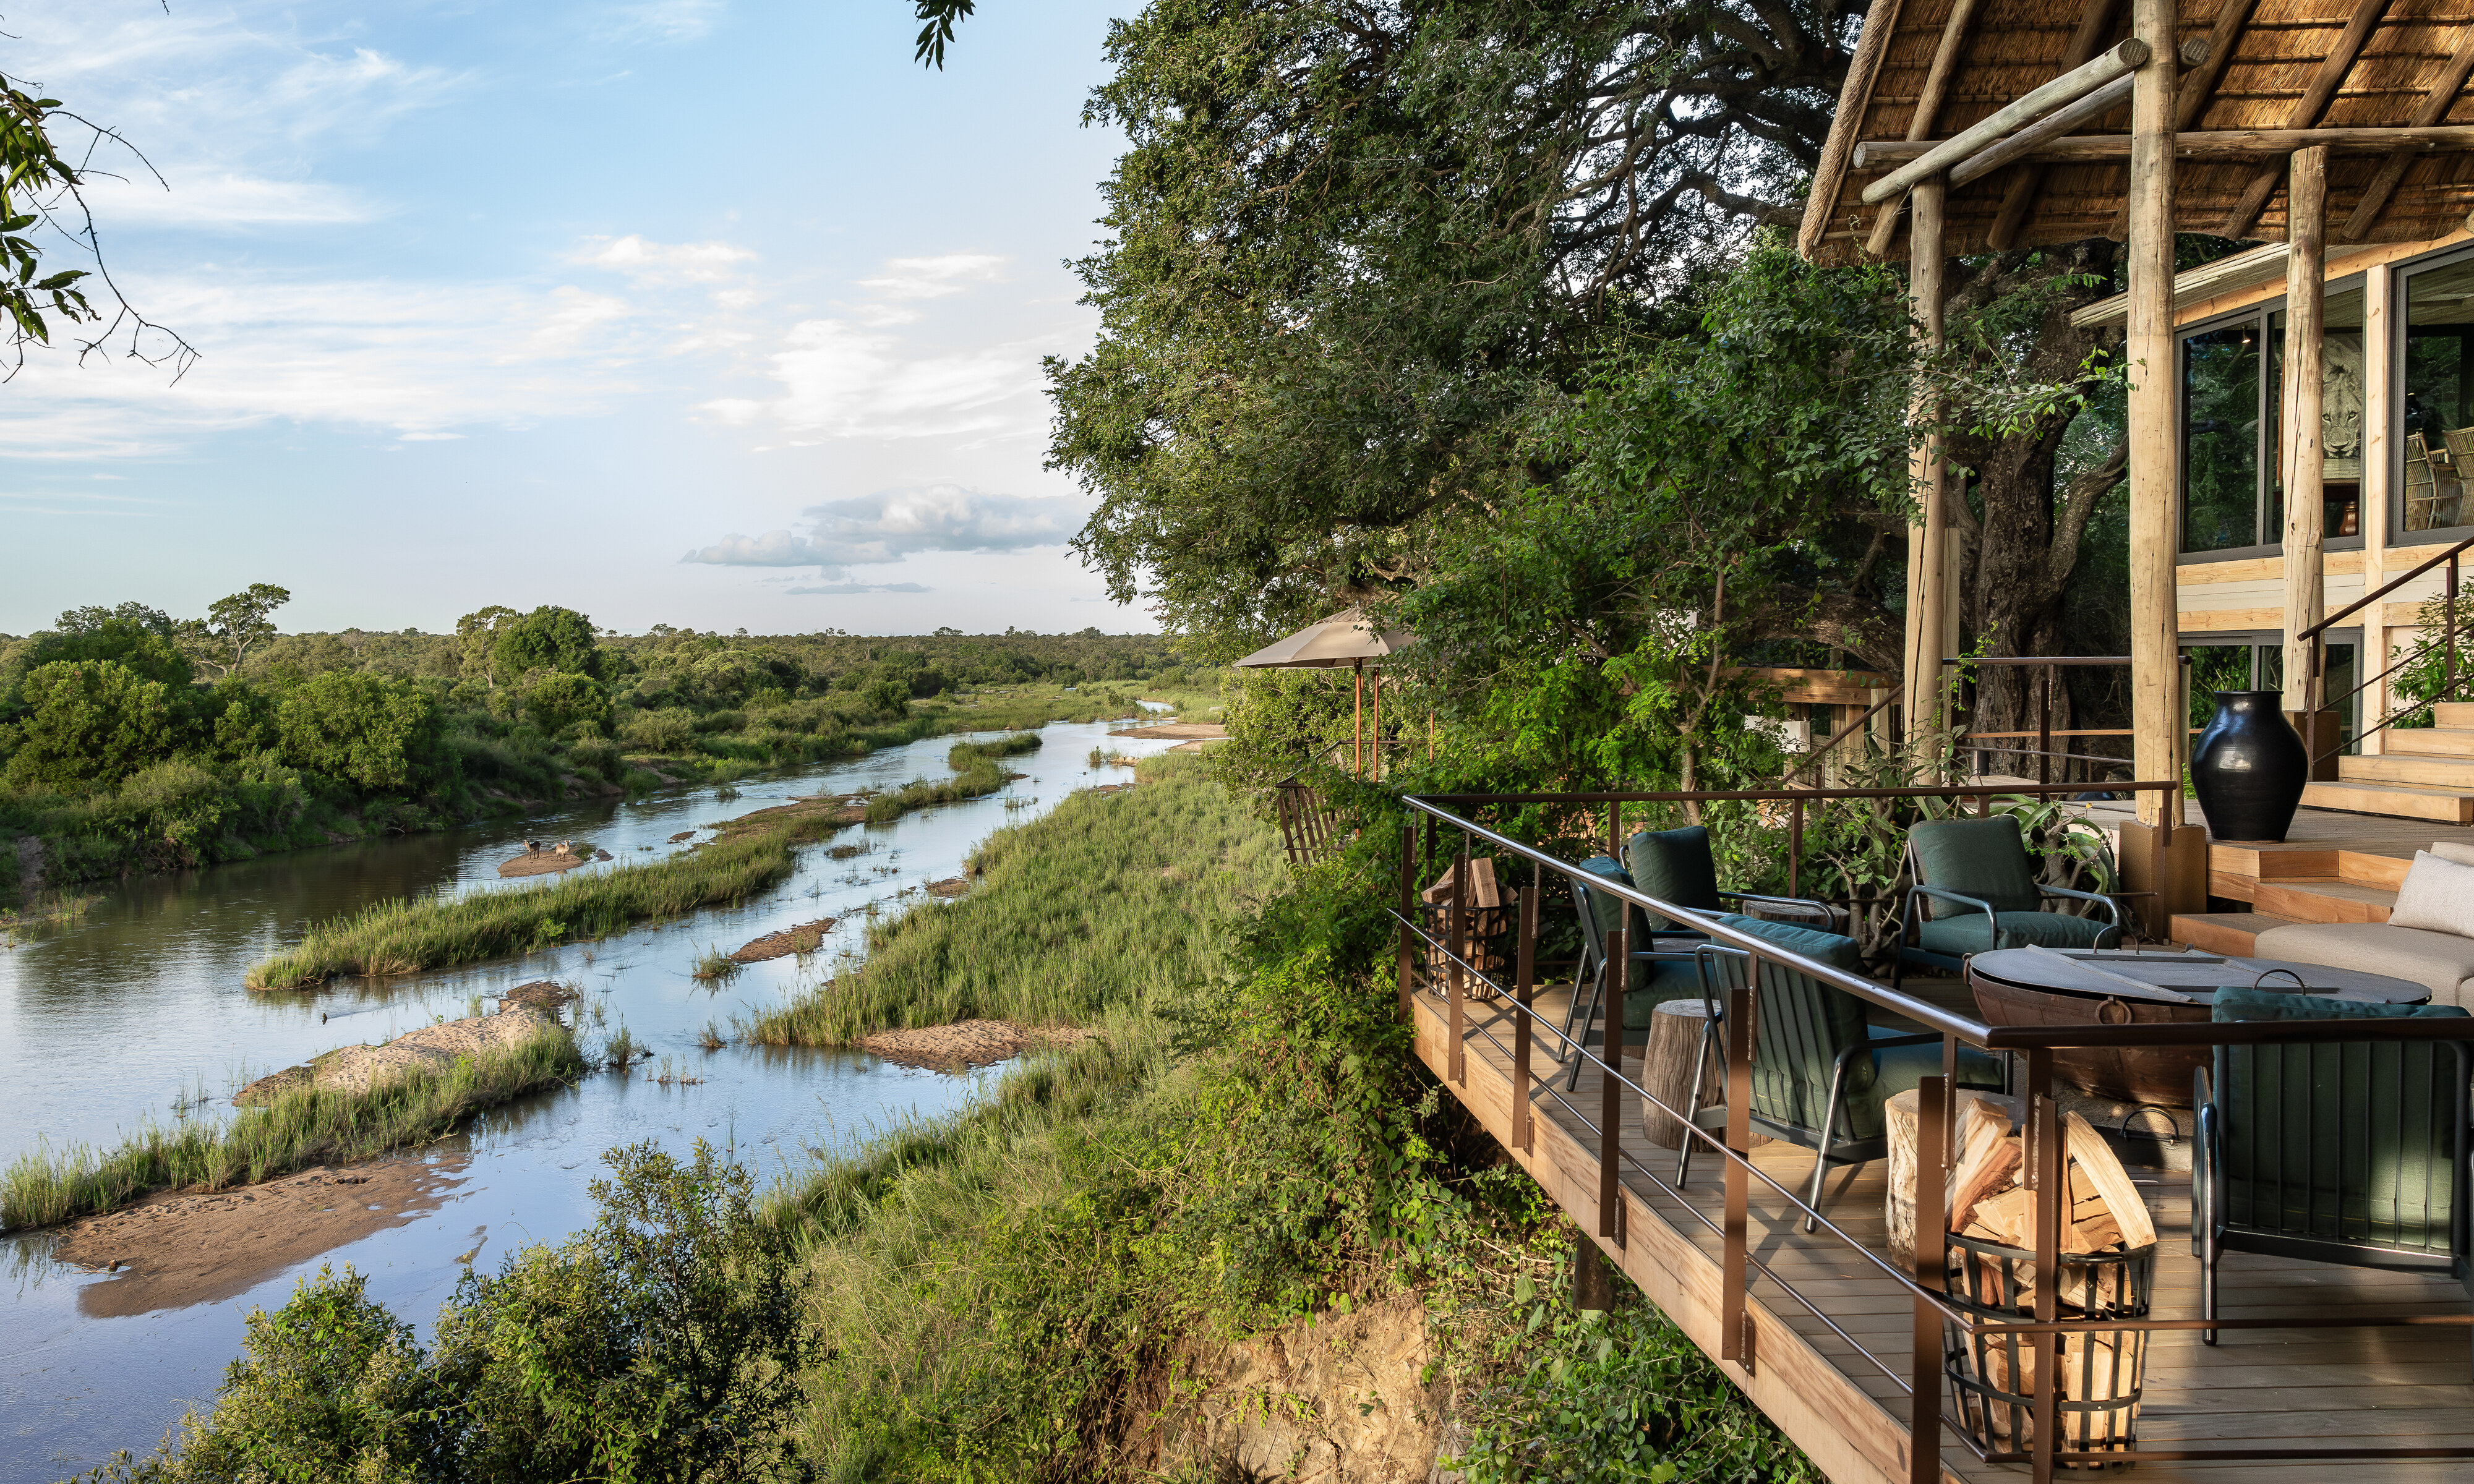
[{"x": 136, "y": 1012}]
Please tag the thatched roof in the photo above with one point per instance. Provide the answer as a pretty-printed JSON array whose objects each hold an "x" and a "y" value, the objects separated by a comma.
[{"x": 2265, "y": 79}]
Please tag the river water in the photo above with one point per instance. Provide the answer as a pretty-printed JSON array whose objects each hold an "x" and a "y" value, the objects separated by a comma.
[{"x": 136, "y": 1012}]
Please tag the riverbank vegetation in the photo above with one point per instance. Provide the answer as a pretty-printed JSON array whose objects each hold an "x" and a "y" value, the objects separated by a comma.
[
  {"x": 131, "y": 741},
  {"x": 1012, "y": 1292},
  {"x": 298, "y": 1128}
]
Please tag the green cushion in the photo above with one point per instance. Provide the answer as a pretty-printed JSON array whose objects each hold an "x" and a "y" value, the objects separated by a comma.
[
  {"x": 1896, "y": 1070},
  {"x": 1981, "y": 858},
  {"x": 1835, "y": 950},
  {"x": 1958, "y": 937},
  {"x": 1674, "y": 865},
  {"x": 2254, "y": 1004},
  {"x": 1607, "y": 909},
  {"x": 2343, "y": 1142}
]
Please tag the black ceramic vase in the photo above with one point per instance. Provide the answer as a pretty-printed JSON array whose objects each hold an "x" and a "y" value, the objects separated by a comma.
[{"x": 2248, "y": 767}]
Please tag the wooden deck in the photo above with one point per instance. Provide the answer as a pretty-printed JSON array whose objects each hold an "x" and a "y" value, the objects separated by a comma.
[{"x": 2311, "y": 1388}]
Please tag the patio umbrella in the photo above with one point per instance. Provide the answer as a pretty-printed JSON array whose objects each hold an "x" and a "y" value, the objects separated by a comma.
[{"x": 1347, "y": 638}]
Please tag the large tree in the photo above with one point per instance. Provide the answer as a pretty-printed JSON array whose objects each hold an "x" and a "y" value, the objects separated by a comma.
[{"x": 1351, "y": 246}]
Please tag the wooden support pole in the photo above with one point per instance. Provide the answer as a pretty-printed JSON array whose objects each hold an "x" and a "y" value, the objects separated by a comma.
[
  {"x": 1374, "y": 738},
  {"x": 2299, "y": 457},
  {"x": 1357, "y": 723},
  {"x": 1927, "y": 556},
  {"x": 2154, "y": 654},
  {"x": 2213, "y": 144}
]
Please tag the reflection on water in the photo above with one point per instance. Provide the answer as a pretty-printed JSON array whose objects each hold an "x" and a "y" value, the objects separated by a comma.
[{"x": 139, "y": 1005}]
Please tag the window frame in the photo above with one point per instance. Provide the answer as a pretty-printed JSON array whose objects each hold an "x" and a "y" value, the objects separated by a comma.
[
  {"x": 2271, "y": 378},
  {"x": 2400, "y": 280}
]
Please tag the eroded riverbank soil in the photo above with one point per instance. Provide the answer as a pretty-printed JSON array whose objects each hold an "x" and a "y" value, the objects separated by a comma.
[
  {"x": 967, "y": 1043},
  {"x": 355, "y": 1068},
  {"x": 174, "y": 1249}
]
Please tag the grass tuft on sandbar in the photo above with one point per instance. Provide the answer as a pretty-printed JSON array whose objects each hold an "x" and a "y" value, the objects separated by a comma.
[{"x": 301, "y": 1127}]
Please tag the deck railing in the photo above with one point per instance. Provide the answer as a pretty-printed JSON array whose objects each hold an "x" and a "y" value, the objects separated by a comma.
[
  {"x": 2446, "y": 646},
  {"x": 1924, "y": 1282}
]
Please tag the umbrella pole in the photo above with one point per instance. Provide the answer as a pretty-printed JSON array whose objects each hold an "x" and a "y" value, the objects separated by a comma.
[{"x": 1357, "y": 723}]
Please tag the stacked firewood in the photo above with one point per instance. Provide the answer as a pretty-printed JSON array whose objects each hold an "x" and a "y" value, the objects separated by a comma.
[
  {"x": 1989, "y": 1202},
  {"x": 1485, "y": 912}
]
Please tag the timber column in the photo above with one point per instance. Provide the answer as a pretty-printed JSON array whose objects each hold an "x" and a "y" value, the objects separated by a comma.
[
  {"x": 2155, "y": 659},
  {"x": 2300, "y": 457},
  {"x": 1927, "y": 556}
]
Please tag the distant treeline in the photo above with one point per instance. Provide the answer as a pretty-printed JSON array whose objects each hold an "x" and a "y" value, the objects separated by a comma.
[{"x": 129, "y": 740}]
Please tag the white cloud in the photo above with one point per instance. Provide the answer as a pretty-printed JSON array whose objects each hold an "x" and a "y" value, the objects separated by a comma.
[
  {"x": 698, "y": 262},
  {"x": 845, "y": 381},
  {"x": 933, "y": 277},
  {"x": 225, "y": 198},
  {"x": 891, "y": 524},
  {"x": 846, "y": 589},
  {"x": 664, "y": 20}
]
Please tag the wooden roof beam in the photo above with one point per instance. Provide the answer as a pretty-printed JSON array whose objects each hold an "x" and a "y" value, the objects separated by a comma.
[
  {"x": 2307, "y": 108},
  {"x": 2018, "y": 198},
  {"x": 2435, "y": 108},
  {"x": 1928, "y": 102},
  {"x": 2019, "y": 113},
  {"x": 1870, "y": 46},
  {"x": 2198, "y": 86},
  {"x": 2201, "y": 144}
]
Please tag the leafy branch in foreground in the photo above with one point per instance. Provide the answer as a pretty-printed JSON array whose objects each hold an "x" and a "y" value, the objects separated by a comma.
[{"x": 39, "y": 188}]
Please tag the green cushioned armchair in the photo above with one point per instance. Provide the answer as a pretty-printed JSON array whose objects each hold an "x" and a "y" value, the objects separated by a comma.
[
  {"x": 1674, "y": 866},
  {"x": 1820, "y": 1074},
  {"x": 2349, "y": 1152},
  {"x": 1976, "y": 892}
]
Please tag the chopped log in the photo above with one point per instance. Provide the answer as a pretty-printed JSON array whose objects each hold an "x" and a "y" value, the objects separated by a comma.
[
  {"x": 2084, "y": 1146},
  {"x": 1668, "y": 1066},
  {"x": 1900, "y": 1114}
]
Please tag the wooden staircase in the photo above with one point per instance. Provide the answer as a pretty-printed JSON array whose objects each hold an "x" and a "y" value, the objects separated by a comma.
[
  {"x": 2298, "y": 881},
  {"x": 2425, "y": 774}
]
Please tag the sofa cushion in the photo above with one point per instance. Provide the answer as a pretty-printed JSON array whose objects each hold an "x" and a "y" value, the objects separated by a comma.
[
  {"x": 2451, "y": 850},
  {"x": 2236, "y": 1003},
  {"x": 2437, "y": 896},
  {"x": 2442, "y": 962},
  {"x": 1959, "y": 936},
  {"x": 1674, "y": 865}
]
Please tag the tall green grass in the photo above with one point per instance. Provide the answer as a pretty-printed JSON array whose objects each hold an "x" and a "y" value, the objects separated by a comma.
[
  {"x": 1089, "y": 907},
  {"x": 980, "y": 779},
  {"x": 964, "y": 755},
  {"x": 301, "y": 1127},
  {"x": 434, "y": 932}
]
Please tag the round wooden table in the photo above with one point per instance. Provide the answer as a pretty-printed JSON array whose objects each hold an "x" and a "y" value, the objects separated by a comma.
[{"x": 2122, "y": 987}]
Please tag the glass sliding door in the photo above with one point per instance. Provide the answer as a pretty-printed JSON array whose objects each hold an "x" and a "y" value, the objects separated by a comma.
[{"x": 2233, "y": 482}]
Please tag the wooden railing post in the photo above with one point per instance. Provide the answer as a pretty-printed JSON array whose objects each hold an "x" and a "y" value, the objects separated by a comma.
[
  {"x": 1524, "y": 987},
  {"x": 2052, "y": 1194},
  {"x": 1924, "y": 1414},
  {"x": 1740, "y": 1002},
  {"x": 1458, "y": 938},
  {"x": 1795, "y": 847},
  {"x": 1408, "y": 915},
  {"x": 1610, "y": 1224}
]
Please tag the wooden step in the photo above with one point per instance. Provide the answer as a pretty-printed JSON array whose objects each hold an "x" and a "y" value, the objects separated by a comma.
[
  {"x": 2430, "y": 741},
  {"x": 2224, "y": 932},
  {"x": 2325, "y": 902},
  {"x": 2387, "y": 872},
  {"x": 2422, "y": 772},
  {"x": 2455, "y": 713},
  {"x": 2400, "y": 800}
]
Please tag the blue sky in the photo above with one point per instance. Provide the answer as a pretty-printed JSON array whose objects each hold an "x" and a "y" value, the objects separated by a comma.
[{"x": 717, "y": 313}]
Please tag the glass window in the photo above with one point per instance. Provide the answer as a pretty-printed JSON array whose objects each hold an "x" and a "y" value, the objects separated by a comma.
[
  {"x": 2438, "y": 414},
  {"x": 2233, "y": 481},
  {"x": 2221, "y": 412}
]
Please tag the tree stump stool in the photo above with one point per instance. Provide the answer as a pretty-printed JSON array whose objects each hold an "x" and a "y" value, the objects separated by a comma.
[
  {"x": 1899, "y": 1114},
  {"x": 1667, "y": 1069}
]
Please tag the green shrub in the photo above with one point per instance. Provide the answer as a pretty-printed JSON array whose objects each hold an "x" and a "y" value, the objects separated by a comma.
[
  {"x": 664, "y": 1343},
  {"x": 381, "y": 735},
  {"x": 669, "y": 730},
  {"x": 91, "y": 723},
  {"x": 179, "y": 803},
  {"x": 548, "y": 639},
  {"x": 564, "y": 698}
]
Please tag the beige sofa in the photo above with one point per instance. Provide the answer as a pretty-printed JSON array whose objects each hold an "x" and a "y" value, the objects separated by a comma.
[{"x": 2444, "y": 962}]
